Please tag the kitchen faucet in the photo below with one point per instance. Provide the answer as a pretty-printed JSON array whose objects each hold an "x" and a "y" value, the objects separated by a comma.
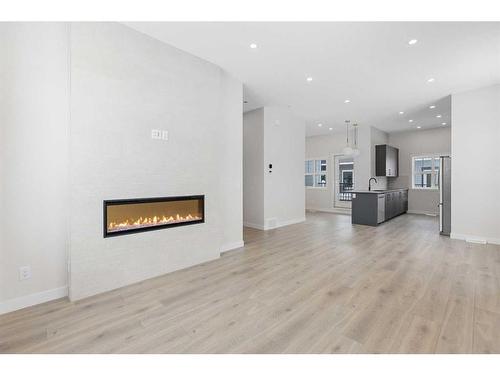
[{"x": 370, "y": 182}]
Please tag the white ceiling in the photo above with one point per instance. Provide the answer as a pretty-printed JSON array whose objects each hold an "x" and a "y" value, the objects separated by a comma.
[{"x": 370, "y": 63}]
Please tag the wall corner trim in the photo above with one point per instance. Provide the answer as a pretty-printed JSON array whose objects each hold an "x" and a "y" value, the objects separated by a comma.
[
  {"x": 281, "y": 223},
  {"x": 32, "y": 299},
  {"x": 231, "y": 246},
  {"x": 253, "y": 225},
  {"x": 284, "y": 223}
]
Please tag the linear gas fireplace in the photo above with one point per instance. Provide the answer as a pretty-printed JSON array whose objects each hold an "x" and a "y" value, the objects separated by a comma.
[{"x": 125, "y": 216}]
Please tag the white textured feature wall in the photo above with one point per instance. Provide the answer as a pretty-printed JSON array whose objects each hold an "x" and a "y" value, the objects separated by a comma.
[
  {"x": 475, "y": 165},
  {"x": 123, "y": 84},
  {"x": 417, "y": 143},
  {"x": 33, "y": 162},
  {"x": 230, "y": 147},
  {"x": 73, "y": 134}
]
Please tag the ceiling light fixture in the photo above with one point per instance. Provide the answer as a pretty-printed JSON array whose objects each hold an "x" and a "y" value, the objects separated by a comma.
[
  {"x": 347, "y": 150},
  {"x": 410, "y": 120},
  {"x": 401, "y": 113},
  {"x": 418, "y": 127},
  {"x": 438, "y": 116},
  {"x": 355, "y": 149},
  {"x": 320, "y": 125},
  {"x": 443, "y": 123},
  {"x": 347, "y": 101},
  {"x": 309, "y": 79},
  {"x": 430, "y": 80},
  {"x": 330, "y": 128},
  {"x": 412, "y": 42},
  {"x": 253, "y": 45},
  {"x": 432, "y": 106}
]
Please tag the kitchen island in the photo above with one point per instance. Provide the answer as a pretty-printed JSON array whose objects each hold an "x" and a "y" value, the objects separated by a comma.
[{"x": 372, "y": 207}]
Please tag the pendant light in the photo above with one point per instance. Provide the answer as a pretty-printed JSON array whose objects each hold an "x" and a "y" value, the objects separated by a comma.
[
  {"x": 347, "y": 149},
  {"x": 355, "y": 151}
]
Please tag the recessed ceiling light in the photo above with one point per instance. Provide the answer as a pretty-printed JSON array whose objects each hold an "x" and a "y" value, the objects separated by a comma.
[
  {"x": 347, "y": 101},
  {"x": 438, "y": 116},
  {"x": 443, "y": 123},
  {"x": 432, "y": 106},
  {"x": 401, "y": 112},
  {"x": 253, "y": 45},
  {"x": 309, "y": 79},
  {"x": 413, "y": 41},
  {"x": 320, "y": 125},
  {"x": 330, "y": 128},
  {"x": 410, "y": 120},
  {"x": 430, "y": 80},
  {"x": 419, "y": 127}
]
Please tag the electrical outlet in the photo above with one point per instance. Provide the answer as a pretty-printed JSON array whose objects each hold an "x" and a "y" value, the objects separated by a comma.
[
  {"x": 155, "y": 134},
  {"x": 24, "y": 273},
  {"x": 159, "y": 134}
]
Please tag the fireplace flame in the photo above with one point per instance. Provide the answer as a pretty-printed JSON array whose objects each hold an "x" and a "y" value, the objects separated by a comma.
[{"x": 149, "y": 222}]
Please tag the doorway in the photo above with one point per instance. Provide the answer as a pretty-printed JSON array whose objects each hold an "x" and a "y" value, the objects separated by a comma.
[{"x": 343, "y": 181}]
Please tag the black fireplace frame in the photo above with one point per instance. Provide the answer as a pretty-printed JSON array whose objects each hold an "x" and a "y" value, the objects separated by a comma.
[{"x": 114, "y": 202}]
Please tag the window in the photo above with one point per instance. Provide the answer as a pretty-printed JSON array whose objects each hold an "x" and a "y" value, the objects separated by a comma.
[
  {"x": 425, "y": 172},
  {"x": 315, "y": 173},
  {"x": 347, "y": 177}
]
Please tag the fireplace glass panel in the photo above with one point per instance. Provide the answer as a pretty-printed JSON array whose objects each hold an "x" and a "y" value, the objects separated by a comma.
[{"x": 125, "y": 216}]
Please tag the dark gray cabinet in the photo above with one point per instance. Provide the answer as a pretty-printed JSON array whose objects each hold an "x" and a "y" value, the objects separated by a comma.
[
  {"x": 364, "y": 209},
  {"x": 386, "y": 161},
  {"x": 389, "y": 206},
  {"x": 372, "y": 208},
  {"x": 396, "y": 203}
]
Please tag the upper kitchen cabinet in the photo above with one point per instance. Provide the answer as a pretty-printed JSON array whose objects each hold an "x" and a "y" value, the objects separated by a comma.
[{"x": 386, "y": 161}]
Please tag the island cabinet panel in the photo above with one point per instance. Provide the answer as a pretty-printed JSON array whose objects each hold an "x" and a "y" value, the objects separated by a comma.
[
  {"x": 367, "y": 206},
  {"x": 364, "y": 209}
]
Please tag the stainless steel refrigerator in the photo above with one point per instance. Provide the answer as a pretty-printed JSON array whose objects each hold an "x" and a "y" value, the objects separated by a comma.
[{"x": 445, "y": 195}]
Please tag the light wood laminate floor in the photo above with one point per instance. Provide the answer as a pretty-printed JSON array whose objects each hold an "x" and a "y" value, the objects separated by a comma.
[{"x": 323, "y": 286}]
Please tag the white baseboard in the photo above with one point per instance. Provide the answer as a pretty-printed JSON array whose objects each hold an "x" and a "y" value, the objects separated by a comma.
[
  {"x": 32, "y": 299},
  {"x": 475, "y": 239},
  {"x": 253, "y": 225},
  {"x": 231, "y": 246},
  {"x": 337, "y": 210},
  {"x": 418, "y": 212},
  {"x": 278, "y": 225},
  {"x": 287, "y": 222}
]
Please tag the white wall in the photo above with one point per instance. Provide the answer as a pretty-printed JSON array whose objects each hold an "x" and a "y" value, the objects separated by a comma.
[
  {"x": 284, "y": 148},
  {"x": 33, "y": 162},
  {"x": 123, "y": 84},
  {"x": 475, "y": 135},
  {"x": 274, "y": 136},
  {"x": 416, "y": 143},
  {"x": 230, "y": 147},
  {"x": 323, "y": 147},
  {"x": 62, "y": 151},
  {"x": 327, "y": 146},
  {"x": 253, "y": 172}
]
